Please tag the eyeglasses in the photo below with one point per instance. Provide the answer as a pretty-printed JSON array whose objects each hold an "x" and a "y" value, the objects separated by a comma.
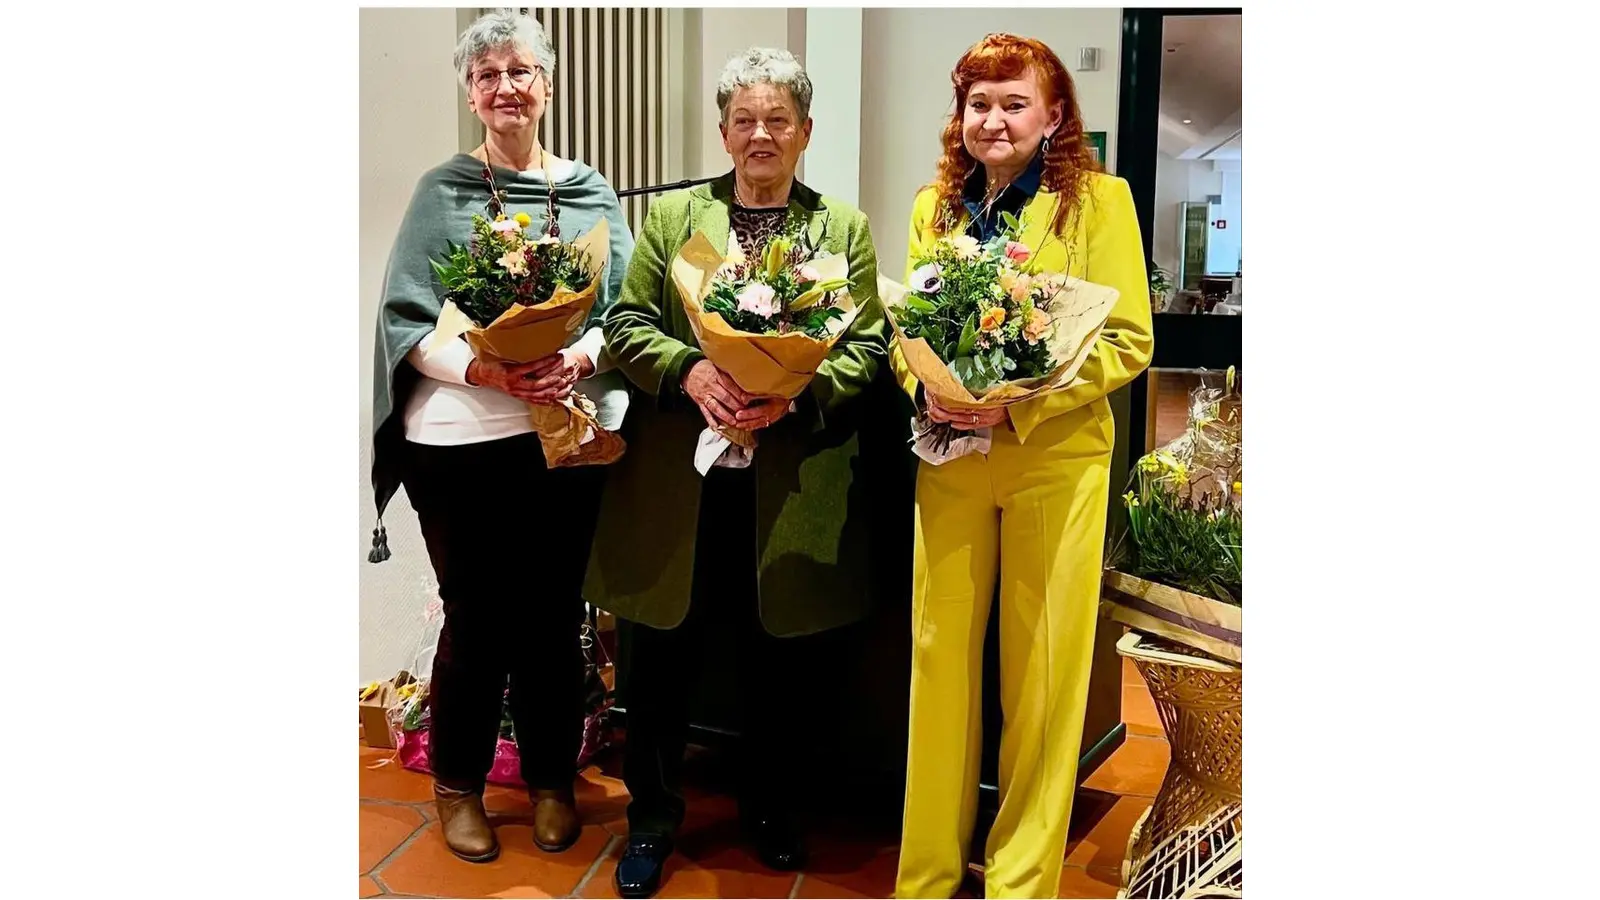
[{"x": 489, "y": 79}]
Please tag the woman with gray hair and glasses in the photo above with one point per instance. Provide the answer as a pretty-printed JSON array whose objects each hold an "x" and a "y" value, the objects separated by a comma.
[
  {"x": 770, "y": 552},
  {"x": 445, "y": 419}
]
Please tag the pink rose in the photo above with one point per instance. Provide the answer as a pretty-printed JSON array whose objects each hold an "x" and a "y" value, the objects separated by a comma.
[
  {"x": 1017, "y": 253},
  {"x": 758, "y": 299}
]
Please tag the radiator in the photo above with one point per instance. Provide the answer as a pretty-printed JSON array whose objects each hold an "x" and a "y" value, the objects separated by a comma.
[{"x": 617, "y": 102}]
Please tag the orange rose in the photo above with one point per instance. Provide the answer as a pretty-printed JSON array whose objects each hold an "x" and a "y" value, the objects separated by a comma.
[{"x": 993, "y": 319}]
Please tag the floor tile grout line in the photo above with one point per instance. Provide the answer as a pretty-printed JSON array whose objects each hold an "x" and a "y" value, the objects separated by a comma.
[
  {"x": 389, "y": 857},
  {"x": 794, "y": 890},
  {"x": 594, "y": 867},
  {"x": 408, "y": 804}
]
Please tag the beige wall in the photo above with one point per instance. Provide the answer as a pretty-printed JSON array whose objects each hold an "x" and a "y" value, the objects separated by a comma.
[
  {"x": 724, "y": 32},
  {"x": 409, "y": 124},
  {"x": 833, "y": 61},
  {"x": 905, "y": 95}
]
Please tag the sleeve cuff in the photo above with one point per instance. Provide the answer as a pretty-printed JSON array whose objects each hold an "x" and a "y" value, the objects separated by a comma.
[
  {"x": 448, "y": 364},
  {"x": 593, "y": 345}
]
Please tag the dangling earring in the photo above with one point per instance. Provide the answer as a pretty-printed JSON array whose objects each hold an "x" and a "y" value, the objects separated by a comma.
[{"x": 1047, "y": 145}]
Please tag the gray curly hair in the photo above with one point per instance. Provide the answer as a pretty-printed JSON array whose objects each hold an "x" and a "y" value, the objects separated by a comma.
[
  {"x": 503, "y": 28},
  {"x": 765, "y": 65}
]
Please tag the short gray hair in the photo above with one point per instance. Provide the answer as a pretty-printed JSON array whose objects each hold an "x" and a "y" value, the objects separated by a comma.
[
  {"x": 765, "y": 65},
  {"x": 503, "y": 28}
]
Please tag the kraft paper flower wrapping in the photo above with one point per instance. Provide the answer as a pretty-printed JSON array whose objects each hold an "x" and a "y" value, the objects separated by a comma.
[
  {"x": 568, "y": 432},
  {"x": 771, "y": 365},
  {"x": 1078, "y": 312}
]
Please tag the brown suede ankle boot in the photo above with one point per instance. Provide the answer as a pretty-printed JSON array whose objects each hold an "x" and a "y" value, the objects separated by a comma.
[
  {"x": 556, "y": 826},
  {"x": 465, "y": 824}
]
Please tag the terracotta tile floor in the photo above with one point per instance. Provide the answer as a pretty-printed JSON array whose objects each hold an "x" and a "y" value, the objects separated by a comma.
[{"x": 403, "y": 855}]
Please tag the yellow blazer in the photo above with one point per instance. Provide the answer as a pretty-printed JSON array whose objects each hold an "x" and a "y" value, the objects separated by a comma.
[{"x": 1100, "y": 243}]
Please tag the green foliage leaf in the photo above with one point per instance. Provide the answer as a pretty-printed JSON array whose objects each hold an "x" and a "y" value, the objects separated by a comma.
[
  {"x": 966, "y": 369},
  {"x": 999, "y": 364},
  {"x": 969, "y": 335}
]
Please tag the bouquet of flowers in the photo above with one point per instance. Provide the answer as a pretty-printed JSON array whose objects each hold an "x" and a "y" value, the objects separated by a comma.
[
  {"x": 504, "y": 265},
  {"x": 518, "y": 297},
  {"x": 982, "y": 328},
  {"x": 780, "y": 293},
  {"x": 1178, "y": 568},
  {"x": 768, "y": 323}
]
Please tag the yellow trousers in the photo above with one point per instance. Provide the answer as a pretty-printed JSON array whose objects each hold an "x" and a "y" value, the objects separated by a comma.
[{"x": 1036, "y": 513}]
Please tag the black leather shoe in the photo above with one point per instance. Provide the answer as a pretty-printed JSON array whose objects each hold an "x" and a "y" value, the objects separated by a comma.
[
  {"x": 778, "y": 843},
  {"x": 639, "y": 870}
]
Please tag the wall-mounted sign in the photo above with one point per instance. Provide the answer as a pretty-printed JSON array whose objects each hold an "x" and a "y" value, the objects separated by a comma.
[{"x": 1097, "y": 146}]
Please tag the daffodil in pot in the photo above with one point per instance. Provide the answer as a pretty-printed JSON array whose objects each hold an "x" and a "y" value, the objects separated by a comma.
[{"x": 1177, "y": 568}]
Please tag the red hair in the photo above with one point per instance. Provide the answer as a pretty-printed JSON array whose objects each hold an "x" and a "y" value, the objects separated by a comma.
[{"x": 1003, "y": 57}]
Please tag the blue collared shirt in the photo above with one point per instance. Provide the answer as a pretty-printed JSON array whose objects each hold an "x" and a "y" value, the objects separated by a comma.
[{"x": 1011, "y": 200}]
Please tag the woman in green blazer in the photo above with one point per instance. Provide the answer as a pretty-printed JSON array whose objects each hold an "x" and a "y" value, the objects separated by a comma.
[{"x": 777, "y": 550}]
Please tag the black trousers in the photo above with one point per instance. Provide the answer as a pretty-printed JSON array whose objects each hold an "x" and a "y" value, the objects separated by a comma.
[
  {"x": 665, "y": 668},
  {"x": 509, "y": 540}
]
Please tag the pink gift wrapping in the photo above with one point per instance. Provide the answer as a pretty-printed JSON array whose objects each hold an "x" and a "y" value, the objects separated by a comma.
[
  {"x": 506, "y": 770},
  {"x": 507, "y": 767}
]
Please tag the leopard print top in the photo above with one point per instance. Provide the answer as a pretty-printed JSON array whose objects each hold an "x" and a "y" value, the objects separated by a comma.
[{"x": 755, "y": 227}]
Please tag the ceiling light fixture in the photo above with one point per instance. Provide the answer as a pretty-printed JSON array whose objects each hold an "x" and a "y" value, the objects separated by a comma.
[{"x": 1188, "y": 121}]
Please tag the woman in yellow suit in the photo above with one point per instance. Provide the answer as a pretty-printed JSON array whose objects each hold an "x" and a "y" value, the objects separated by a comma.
[{"x": 1032, "y": 510}]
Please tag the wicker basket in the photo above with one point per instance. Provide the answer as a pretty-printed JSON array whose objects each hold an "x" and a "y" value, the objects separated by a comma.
[{"x": 1190, "y": 843}]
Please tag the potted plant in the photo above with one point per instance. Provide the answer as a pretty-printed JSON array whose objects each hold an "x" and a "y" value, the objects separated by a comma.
[
  {"x": 1160, "y": 286},
  {"x": 1176, "y": 583},
  {"x": 1177, "y": 568}
]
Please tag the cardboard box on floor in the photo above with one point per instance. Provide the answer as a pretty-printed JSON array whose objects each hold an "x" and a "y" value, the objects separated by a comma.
[{"x": 376, "y": 701}]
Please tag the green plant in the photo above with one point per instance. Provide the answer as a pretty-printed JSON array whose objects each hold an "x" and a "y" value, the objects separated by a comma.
[
  {"x": 1185, "y": 506},
  {"x": 1188, "y": 542},
  {"x": 1160, "y": 280}
]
